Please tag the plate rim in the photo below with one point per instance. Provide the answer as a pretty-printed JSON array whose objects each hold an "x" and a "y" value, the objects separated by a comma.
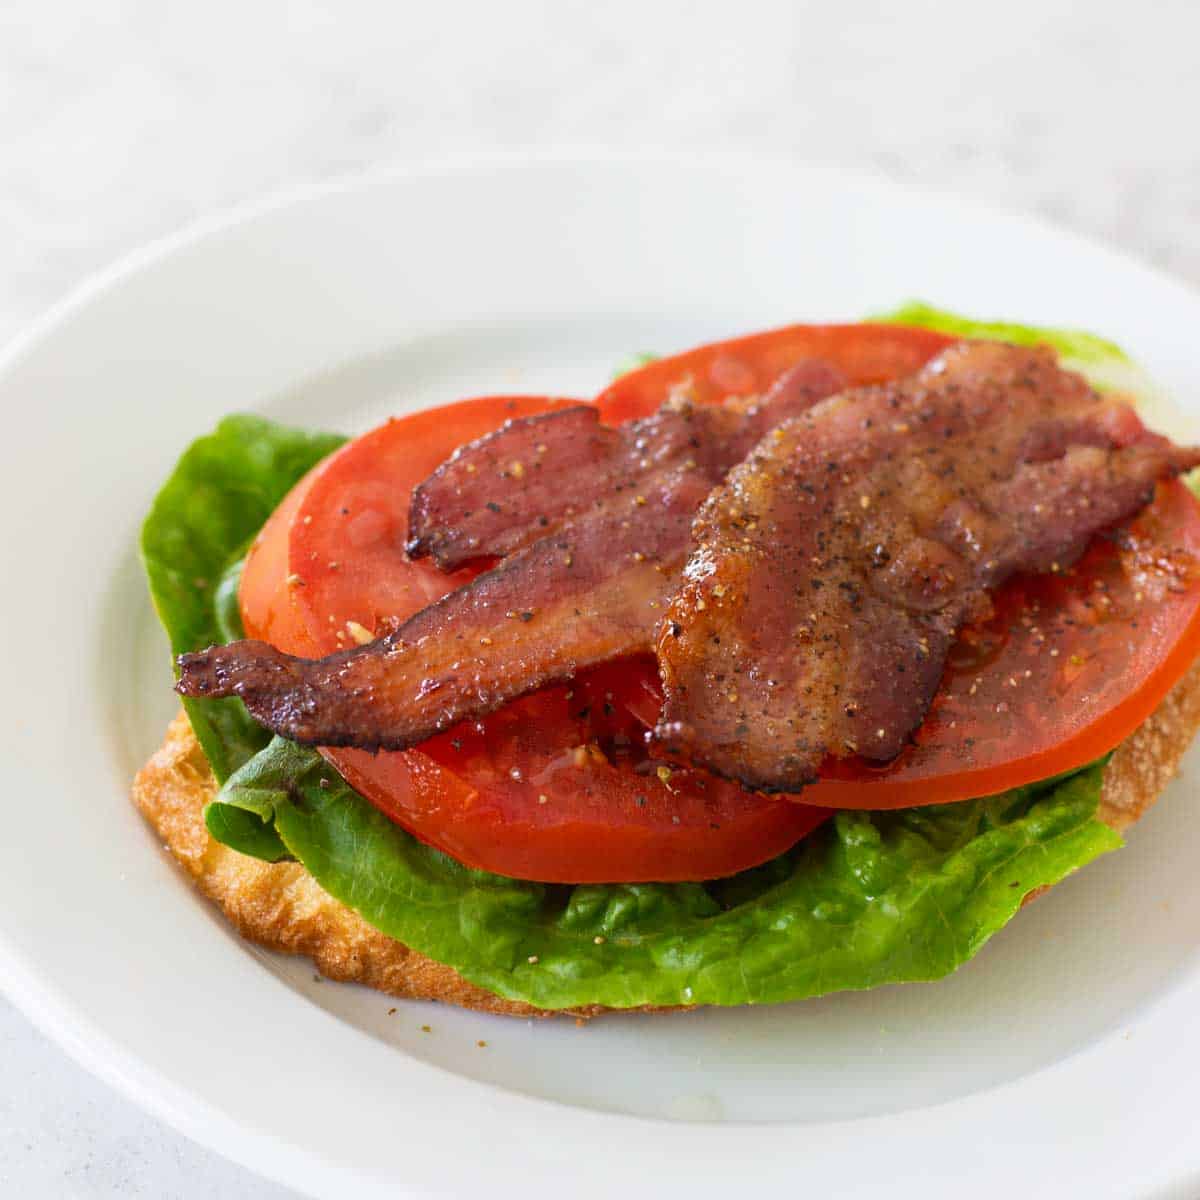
[{"x": 67, "y": 1024}]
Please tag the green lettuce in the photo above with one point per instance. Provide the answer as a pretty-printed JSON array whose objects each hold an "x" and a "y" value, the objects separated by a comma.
[
  {"x": 870, "y": 898},
  {"x": 1084, "y": 349},
  {"x": 1102, "y": 361},
  {"x": 193, "y": 542}
]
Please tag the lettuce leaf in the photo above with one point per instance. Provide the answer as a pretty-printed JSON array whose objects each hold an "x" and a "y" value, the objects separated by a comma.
[
  {"x": 871, "y": 898},
  {"x": 1103, "y": 362},
  {"x": 218, "y": 497},
  {"x": 193, "y": 542},
  {"x": 1081, "y": 348}
]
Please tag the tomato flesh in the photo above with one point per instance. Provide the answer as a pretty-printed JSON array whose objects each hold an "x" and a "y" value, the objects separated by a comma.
[
  {"x": 1067, "y": 667},
  {"x": 555, "y": 787},
  {"x": 743, "y": 366},
  {"x": 558, "y": 787}
]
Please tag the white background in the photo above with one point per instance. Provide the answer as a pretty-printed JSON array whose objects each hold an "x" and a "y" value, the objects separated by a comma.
[{"x": 123, "y": 121}]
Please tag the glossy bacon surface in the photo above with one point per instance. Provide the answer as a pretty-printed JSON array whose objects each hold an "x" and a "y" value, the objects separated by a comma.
[
  {"x": 506, "y": 490},
  {"x": 597, "y": 537},
  {"x": 566, "y": 602},
  {"x": 836, "y": 564}
]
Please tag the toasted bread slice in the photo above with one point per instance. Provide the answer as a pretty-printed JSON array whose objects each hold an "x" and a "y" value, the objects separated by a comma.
[{"x": 280, "y": 906}]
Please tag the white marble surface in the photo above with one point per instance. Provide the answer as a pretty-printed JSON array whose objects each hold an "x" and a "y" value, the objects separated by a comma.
[{"x": 123, "y": 121}]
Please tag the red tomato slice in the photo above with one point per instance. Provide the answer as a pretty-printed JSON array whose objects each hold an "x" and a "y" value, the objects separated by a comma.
[
  {"x": 509, "y": 794},
  {"x": 742, "y": 366},
  {"x": 521, "y": 794},
  {"x": 527, "y": 792},
  {"x": 1068, "y": 666}
]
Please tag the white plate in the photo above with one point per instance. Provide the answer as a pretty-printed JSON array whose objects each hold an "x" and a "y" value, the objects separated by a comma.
[{"x": 1068, "y": 1051}]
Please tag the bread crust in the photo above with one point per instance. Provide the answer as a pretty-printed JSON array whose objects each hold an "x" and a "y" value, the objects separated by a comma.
[{"x": 281, "y": 907}]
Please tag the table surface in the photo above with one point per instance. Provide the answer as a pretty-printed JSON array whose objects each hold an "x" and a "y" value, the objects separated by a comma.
[{"x": 122, "y": 122}]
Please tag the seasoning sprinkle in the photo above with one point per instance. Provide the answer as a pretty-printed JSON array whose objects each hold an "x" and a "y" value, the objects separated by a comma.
[
  {"x": 360, "y": 633},
  {"x": 590, "y": 754}
]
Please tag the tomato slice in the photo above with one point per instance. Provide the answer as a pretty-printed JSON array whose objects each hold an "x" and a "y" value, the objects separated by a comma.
[
  {"x": 525, "y": 793},
  {"x": 1067, "y": 667},
  {"x": 556, "y": 787},
  {"x": 865, "y": 353}
]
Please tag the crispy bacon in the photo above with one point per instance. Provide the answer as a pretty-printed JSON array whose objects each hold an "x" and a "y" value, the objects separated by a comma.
[
  {"x": 836, "y": 564},
  {"x": 564, "y": 603},
  {"x": 598, "y": 534},
  {"x": 506, "y": 490}
]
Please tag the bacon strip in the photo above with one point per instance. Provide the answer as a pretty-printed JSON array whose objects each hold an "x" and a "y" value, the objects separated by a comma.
[
  {"x": 590, "y": 590},
  {"x": 506, "y": 490},
  {"x": 564, "y": 603},
  {"x": 836, "y": 564}
]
